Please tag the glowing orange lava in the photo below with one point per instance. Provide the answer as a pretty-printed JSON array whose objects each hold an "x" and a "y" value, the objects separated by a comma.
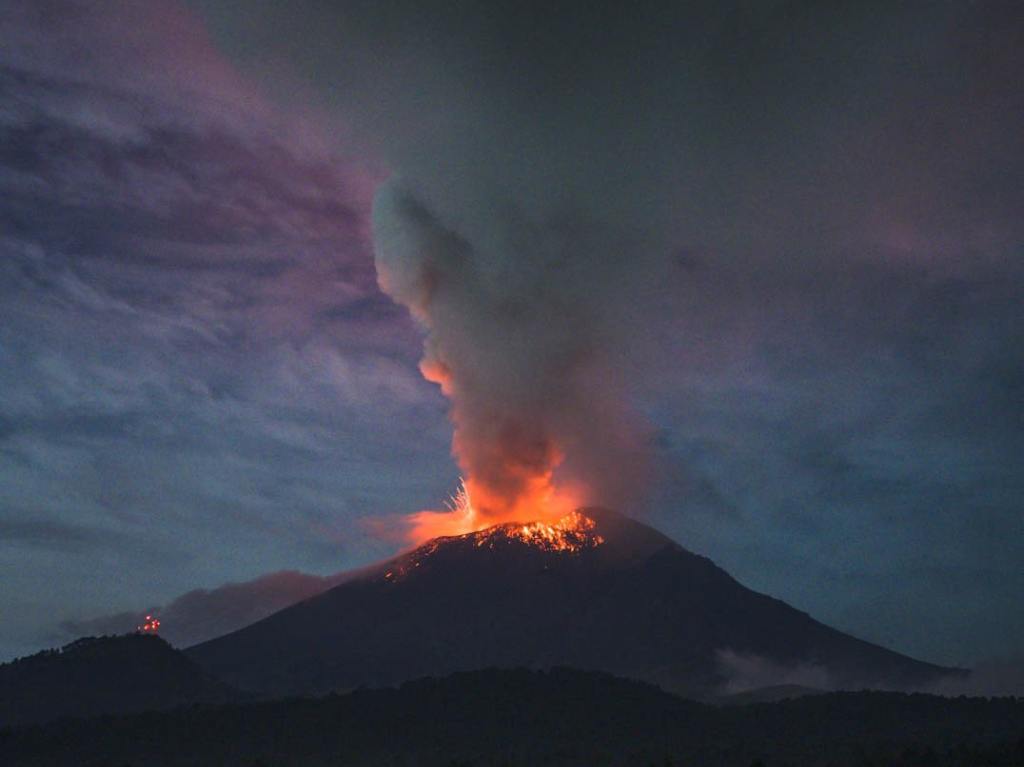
[
  {"x": 540, "y": 502},
  {"x": 573, "y": 532},
  {"x": 570, "y": 535},
  {"x": 150, "y": 625}
]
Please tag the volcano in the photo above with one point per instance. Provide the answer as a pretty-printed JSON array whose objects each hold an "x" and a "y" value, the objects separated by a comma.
[{"x": 596, "y": 591}]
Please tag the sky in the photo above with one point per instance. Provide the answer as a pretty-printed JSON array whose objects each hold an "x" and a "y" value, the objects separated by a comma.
[{"x": 785, "y": 237}]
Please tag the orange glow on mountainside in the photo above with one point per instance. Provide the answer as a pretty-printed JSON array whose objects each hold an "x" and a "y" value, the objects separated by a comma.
[
  {"x": 540, "y": 504},
  {"x": 571, "y": 534},
  {"x": 509, "y": 464}
]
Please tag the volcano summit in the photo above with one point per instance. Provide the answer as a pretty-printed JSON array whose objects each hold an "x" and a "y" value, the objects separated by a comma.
[{"x": 595, "y": 590}]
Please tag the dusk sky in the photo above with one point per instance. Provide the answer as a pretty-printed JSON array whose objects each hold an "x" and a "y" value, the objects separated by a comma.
[{"x": 755, "y": 268}]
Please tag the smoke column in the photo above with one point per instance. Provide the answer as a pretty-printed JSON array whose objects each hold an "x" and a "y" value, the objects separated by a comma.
[{"x": 522, "y": 321}]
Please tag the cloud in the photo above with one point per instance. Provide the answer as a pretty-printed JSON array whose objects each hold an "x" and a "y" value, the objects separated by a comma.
[
  {"x": 834, "y": 348},
  {"x": 203, "y": 614},
  {"x": 991, "y": 678},
  {"x": 32, "y": 530},
  {"x": 196, "y": 363},
  {"x": 524, "y": 323},
  {"x": 746, "y": 673}
]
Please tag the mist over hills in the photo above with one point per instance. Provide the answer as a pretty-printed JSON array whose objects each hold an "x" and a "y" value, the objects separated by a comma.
[{"x": 628, "y": 601}]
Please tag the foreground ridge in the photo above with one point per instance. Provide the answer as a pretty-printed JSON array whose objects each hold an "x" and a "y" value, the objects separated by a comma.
[{"x": 559, "y": 718}]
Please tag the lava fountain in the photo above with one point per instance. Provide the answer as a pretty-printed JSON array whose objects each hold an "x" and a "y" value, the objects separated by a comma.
[
  {"x": 518, "y": 339},
  {"x": 538, "y": 514}
]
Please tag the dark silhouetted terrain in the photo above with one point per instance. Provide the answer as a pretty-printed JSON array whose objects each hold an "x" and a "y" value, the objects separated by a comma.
[
  {"x": 637, "y": 605},
  {"x": 502, "y": 718},
  {"x": 104, "y": 675}
]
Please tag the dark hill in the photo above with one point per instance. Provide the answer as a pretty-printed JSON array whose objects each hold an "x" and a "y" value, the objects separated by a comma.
[
  {"x": 516, "y": 718},
  {"x": 622, "y": 598},
  {"x": 103, "y": 675}
]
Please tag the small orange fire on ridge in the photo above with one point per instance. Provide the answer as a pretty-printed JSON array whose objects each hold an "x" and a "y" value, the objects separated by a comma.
[
  {"x": 546, "y": 511},
  {"x": 150, "y": 625}
]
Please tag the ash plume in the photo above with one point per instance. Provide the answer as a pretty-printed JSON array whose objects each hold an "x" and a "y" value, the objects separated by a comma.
[
  {"x": 524, "y": 323},
  {"x": 530, "y": 228},
  {"x": 822, "y": 248}
]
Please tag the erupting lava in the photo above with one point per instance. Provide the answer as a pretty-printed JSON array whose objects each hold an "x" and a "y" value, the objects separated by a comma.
[
  {"x": 540, "y": 424},
  {"x": 550, "y": 513},
  {"x": 571, "y": 534},
  {"x": 150, "y": 625}
]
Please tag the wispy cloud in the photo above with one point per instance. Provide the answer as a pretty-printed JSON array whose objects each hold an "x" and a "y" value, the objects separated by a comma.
[{"x": 195, "y": 360}]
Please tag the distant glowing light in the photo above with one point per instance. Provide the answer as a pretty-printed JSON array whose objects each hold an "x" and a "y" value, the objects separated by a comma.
[{"x": 150, "y": 625}]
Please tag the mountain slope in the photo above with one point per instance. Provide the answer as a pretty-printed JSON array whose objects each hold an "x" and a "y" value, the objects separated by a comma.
[
  {"x": 104, "y": 675},
  {"x": 621, "y": 598}
]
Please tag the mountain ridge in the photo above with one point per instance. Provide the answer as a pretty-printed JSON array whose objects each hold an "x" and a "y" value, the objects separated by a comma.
[
  {"x": 627, "y": 600},
  {"x": 104, "y": 675}
]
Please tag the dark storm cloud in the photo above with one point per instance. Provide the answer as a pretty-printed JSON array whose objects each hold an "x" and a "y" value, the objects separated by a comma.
[{"x": 826, "y": 200}]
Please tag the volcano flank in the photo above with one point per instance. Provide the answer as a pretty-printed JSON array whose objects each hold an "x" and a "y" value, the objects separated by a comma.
[{"x": 595, "y": 591}]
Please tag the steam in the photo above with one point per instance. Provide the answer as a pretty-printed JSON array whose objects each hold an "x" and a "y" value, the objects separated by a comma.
[
  {"x": 991, "y": 678},
  {"x": 744, "y": 672},
  {"x": 523, "y": 336}
]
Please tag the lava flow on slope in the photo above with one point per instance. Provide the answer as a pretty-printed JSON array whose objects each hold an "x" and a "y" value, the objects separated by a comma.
[{"x": 573, "y": 533}]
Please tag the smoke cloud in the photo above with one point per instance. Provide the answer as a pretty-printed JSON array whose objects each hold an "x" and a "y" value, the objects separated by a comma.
[
  {"x": 823, "y": 199},
  {"x": 584, "y": 202},
  {"x": 523, "y": 321},
  {"x": 744, "y": 672},
  {"x": 586, "y": 195},
  {"x": 531, "y": 235}
]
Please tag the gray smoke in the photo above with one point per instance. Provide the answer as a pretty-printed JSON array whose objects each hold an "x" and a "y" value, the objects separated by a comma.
[
  {"x": 585, "y": 194},
  {"x": 525, "y": 334},
  {"x": 532, "y": 238}
]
